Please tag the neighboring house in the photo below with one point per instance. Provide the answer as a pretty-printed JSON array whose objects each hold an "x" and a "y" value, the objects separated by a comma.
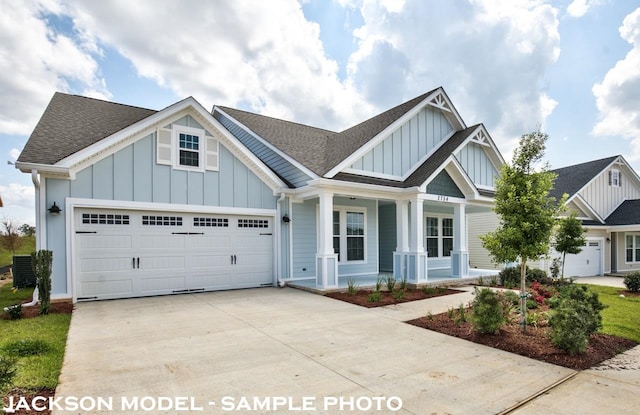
[
  {"x": 183, "y": 200},
  {"x": 605, "y": 194}
]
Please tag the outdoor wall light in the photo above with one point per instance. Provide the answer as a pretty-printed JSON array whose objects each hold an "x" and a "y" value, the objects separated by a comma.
[
  {"x": 54, "y": 210},
  {"x": 286, "y": 218}
]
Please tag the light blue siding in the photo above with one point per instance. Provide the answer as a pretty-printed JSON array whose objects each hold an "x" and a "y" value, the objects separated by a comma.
[
  {"x": 122, "y": 169},
  {"x": 477, "y": 164},
  {"x": 188, "y": 121},
  {"x": 272, "y": 159},
  {"x": 143, "y": 164},
  {"x": 103, "y": 179},
  {"x": 404, "y": 148},
  {"x": 57, "y": 191},
  {"x": 179, "y": 186},
  {"x": 304, "y": 244},
  {"x": 387, "y": 236}
]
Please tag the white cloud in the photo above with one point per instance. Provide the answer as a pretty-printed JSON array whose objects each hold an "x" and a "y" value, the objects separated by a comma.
[
  {"x": 14, "y": 153},
  {"x": 36, "y": 61},
  {"x": 18, "y": 201},
  {"x": 262, "y": 54},
  {"x": 578, "y": 8},
  {"x": 617, "y": 94},
  {"x": 490, "y": 56}
]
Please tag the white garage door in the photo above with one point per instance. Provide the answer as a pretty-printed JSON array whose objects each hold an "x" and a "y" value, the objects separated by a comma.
[
  {"x": 120, "y": 254},
  {"x": 586, "y": 263}
]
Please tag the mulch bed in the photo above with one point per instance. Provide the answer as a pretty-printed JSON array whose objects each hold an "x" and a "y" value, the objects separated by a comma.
[
  {"x": 534, "y": 343},
  {"x": 58, "y": 307},
  {"x": 29, "y": 396},
  {"x": 361, "y": 297}
]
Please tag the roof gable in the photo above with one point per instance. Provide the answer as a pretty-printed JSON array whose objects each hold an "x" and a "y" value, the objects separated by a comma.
[
  {"x": 71, "y": 123},
  {"x": 572, "y": 179},
  {"x": 628, "y": 213}
]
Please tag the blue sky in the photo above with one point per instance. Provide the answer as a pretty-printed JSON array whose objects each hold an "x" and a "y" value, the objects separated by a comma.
[{"x": 572, "y": 67}]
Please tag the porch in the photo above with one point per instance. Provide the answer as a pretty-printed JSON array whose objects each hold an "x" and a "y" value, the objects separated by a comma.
[{"x": 435, "y": 277}]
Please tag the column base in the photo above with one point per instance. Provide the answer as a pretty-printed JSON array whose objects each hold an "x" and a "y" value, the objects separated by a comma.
[
  {"x": 326, "y": 271},
  {"x": 410, "y": 266}
]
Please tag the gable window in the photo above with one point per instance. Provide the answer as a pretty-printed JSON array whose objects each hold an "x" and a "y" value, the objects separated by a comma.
[
  {"x": 614, "y": 177},
  {"x": 349, "y": 234},
  {"x": 439, "y": 236},
  {"x": 189, "y": 150},
  {"x": 632, "y": 248}
]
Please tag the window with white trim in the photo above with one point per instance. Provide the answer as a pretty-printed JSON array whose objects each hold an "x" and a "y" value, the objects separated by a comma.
[
  {"x": 632, "y": 247},
  {"x": 349, "y": 234},
  {"x": 187, "y": 148},
  {"x": 439, "y": 236},
  {"x": 614, "y": 178}
]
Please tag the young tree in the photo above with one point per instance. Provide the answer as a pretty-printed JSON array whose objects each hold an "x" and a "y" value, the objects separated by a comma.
[
  {"x": 27, "y": 230},
  {"x": 9, "y": 237},
  {"x": 569, "y": 237},
  {"x": 526, "y": 211}
]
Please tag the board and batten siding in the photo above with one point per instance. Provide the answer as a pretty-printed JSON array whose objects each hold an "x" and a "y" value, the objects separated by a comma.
[
  {"x": 480, "y": 224},
  {"x": 476, "y": 163},
  {"x": 388, "y": 236},
  {"x": 132, "y": 175},
  {"x": 604, "y": 198},
  {"x": 402, "y": 150},
  {"x": 272, "y": 159}
]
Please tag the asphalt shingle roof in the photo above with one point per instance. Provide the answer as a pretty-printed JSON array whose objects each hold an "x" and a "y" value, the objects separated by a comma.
[
  {"x": 71, "y": 123},
  {"x": 571, "y": 179},
  {"x": 628, "y": 213}
]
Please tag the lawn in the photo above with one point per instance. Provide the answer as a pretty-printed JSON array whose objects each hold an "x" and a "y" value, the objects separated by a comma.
[
  {"x": 39, "y": 371},
  {"x": 620, "y": 318},
  {"x": 28, "y": 246}
]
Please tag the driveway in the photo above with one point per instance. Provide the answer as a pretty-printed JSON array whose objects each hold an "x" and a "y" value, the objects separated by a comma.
[{"x": 290, "y": 350}]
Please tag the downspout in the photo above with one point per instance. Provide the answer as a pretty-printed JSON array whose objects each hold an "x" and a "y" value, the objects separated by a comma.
[{"x": 278, "y": 230}]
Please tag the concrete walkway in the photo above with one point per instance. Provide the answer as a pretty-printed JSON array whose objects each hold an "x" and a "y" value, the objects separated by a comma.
[
  {"x": 606, "y": 281},
  {"x": 220, "y": 348}
]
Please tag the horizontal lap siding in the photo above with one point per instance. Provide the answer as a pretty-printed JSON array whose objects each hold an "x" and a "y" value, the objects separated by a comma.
[
  {"x": 480, "y": 224},
  {"x": 304, "y": 243}
]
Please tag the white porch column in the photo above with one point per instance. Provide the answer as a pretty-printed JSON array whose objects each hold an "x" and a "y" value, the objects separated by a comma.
[
  {"x": 417, "y": 259},
  {"x": 460, "y": 254},
  {"x": 402, "y": 239},
  {"x": 326, "y": 259}
]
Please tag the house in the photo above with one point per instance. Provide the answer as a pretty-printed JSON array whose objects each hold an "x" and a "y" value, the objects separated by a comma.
[
  {"x": 136, "y": 202},
  {"x": 605, "y": 195}
]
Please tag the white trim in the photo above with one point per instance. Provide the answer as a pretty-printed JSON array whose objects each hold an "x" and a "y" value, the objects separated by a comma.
[
  {"x": 634, "y": 247},
  {"x": 285, "y": 156},
  {"x": 202, "y": 144},
  {"x": 343, "y": 209},
  {"x": 440, "y": 237},
  {"x": 373, "y": 174},
  {"x": 620, "y": 161},
  {"x": 582, "y": 204}
]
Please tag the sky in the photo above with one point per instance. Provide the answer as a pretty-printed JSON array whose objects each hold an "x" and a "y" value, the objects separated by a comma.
[{"x": 569, "y": 67}]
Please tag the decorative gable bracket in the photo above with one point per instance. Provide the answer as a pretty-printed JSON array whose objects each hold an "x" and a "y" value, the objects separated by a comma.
[
  {"x": 480, "y": 137},
  {"x": 440, "y": 102}
]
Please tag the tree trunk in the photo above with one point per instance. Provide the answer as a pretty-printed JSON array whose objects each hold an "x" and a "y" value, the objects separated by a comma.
[{"x": 523, "y": 295}]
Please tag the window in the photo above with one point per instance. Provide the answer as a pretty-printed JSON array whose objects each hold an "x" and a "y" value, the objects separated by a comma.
[
  {"x": 211, "y": 222},
  {"x": 439, "y": 236},
  {"x": 189, "y": 150},
  {"x": 632, "y": 248},
  {"x": 253, "y": 223},
  {"x": 614, "y": 178},
  {"x": 104, "y": 219},
  {"x": 349, "y": 234},
  {"x": 162, "y": 220}
]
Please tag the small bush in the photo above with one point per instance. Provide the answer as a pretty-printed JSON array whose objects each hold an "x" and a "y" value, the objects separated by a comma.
[
  {"x": 480, "y": 281},
  {"x": 537, "y": 274},
  {"x": 352, "y": 287},
  {"x": 403, "y": 284},
  {"x": 429, "y": 290},
  {"x": 398, "y": 295},
  {"x": 441, "y": 290},
  {"x": 379, "y": 283},
  {"x": 375, "y": 297},
  {"x": 15, "y": 311},
  {"x": 8, "y": 370},
  {"x": 576, "y": 317},
  {"x": 487, "y": 311},
  {"x": 23, "y": 348},
  {"x": 512, "y": 298},
  {"x": 632, "y": 281},
  {"x": 461, "y": 317},
  {"x": 510, "y": 276},
  {"x": 390, "y": 283}
]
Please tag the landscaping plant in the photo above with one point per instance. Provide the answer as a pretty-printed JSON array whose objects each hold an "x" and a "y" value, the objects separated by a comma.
[
  {"x": 352, "y": 287},
  {"x": 41, "y": 263},
  {"x": 526, "y": 211},
  {"x": 569, "y": 238},
  {"x": 375, "y": 297},
  {"x": 487, "y": 311},
  {"x": 632, "y": 281},
  {"x": 575, "y": 318},
  {"x": 8, "y": 370},
  {"x": 391, "y": 283},
  {"x": 15, "y": 311}
]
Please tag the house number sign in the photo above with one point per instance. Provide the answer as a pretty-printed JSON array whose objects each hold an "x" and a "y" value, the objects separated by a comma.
[{"x": 443, "y": 198}]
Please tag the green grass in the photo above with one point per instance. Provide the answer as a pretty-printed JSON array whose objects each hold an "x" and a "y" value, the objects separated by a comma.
[
  {"x": 620, "y": 318},
  {"x": 28, "y": 246},
  {"x": 39, "y": 371},
  {"x": 8, "y": 297}
]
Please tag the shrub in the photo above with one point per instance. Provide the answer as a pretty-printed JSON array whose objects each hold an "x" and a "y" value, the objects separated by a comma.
[
  {"x": 379, "y": 283},
  {"x": 510, "y": 276},
  {"x": 375, "y": 297},
  {"x": 8, "y": 370},
  {"x": 632, "y": 281},
  {"x": 576, "y": 317},
  {"x": 441, "y": 290},
  {"x": 398, "y": 295},
  {"x": 487, "y": 311},
  {"x": 556, "y": 263},
  {"x": 403, "y": 284},
  {"x": 537, "y": 274},
  {"x": 352, "y": 287},
  {"x": 511, "y": 297},
  {"x": 390, "y": 283},
  {"x": 41, "y": 262},
  {"x": 429, "y": 290},
  {"x": 15, "y": 311}
]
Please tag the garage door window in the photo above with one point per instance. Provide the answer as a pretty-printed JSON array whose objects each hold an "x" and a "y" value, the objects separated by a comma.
[
  {"x": 104, "y": 219},
  {"x": 149, "y": 220},
  {"x": 253, "y": 223},
  {"x": 211, "y": 222},
  {"x": 633, "y": 248}
]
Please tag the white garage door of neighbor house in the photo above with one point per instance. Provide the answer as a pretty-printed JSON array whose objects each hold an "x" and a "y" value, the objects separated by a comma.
[
  {"x": 120, "y": 254},
  {"x": 586, "y": 263}
]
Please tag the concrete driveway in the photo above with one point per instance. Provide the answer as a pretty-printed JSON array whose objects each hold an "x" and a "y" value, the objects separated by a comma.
[{"x": 284, "y": 351}]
